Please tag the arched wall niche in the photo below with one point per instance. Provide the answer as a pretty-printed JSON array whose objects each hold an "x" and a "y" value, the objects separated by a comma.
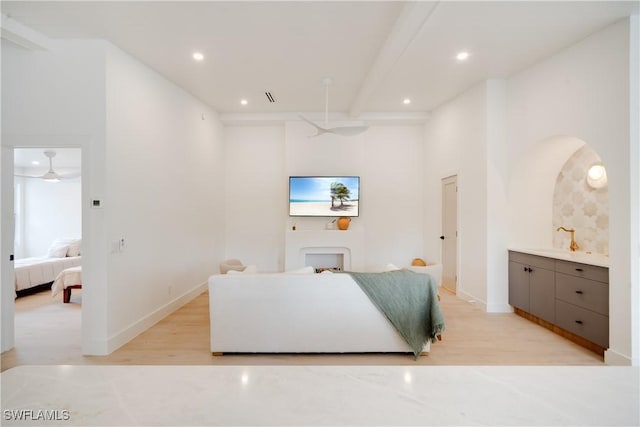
[
  {"x": 531, "y": 190},
  {"x": 579, "y": 206}
]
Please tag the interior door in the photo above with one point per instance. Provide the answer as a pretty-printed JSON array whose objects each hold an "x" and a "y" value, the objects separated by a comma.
[
  {"x": 450, "y": 233},
  {"x": 6, "y": 249}
]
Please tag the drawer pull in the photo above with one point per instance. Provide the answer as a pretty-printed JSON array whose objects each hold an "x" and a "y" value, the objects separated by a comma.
[
  {"x": 579, "y": 292},
  {"x": 579, "y": 269},
  {"x": 579, "y": 322}
]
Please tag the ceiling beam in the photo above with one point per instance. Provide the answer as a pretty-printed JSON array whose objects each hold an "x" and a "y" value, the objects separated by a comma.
[
  {"x": 391, "y": 118},
  {"x": 23, "y": 36},
  {"x": 412, "y": 18}
]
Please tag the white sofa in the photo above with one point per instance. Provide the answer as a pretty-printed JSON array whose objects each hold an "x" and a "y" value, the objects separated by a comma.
[{"x": 297, "y": 313}]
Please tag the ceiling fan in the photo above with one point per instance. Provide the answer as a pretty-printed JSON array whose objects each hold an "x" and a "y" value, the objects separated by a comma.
[
  {"x": 51, "y": 175},
  {"x": 338, "y": 130}
]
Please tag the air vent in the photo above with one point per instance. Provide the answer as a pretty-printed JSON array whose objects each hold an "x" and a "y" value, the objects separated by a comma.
[{"x": 270, "y": 97}]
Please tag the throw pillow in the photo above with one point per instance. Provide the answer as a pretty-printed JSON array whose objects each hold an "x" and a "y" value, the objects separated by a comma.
[
  {"x": 390, "y": 267},
  {"x": 58, "y": 249}
]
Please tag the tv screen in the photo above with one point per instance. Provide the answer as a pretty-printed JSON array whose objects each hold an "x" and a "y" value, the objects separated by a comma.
[{"x": 324, "y": 195}]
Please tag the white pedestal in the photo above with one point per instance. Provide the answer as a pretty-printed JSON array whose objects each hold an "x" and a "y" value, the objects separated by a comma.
[{"x": 347, "y": 243}]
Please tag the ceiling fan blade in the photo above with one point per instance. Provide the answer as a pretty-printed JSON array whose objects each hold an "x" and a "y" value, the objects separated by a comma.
[
  {"x": 70, "y": 175},
  {"x": 27, "y": 176},
  {"x": 348, "y": 130},
  {"x": 319, "y": 130}
]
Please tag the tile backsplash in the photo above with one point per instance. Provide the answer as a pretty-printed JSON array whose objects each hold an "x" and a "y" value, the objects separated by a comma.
[{"x": 578, "y": 206}]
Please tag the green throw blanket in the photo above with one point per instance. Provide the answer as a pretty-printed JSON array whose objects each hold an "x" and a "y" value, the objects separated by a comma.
[{"x": 409, "y": 300}]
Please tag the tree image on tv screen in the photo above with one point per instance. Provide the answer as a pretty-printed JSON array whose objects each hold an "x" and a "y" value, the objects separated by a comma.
[{"x": 341, "y": 192}]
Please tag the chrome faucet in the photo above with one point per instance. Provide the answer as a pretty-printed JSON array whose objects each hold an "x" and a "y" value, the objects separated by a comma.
[{"x": 573, "y": 246}]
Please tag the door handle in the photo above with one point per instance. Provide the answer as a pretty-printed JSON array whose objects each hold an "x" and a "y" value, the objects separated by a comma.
[{"x": 441, "y": 237}]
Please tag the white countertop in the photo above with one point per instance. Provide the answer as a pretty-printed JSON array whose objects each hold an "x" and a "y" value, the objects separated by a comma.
[
  {"x": 581, "y": 257},
  {"x": 321, "y": 395}
]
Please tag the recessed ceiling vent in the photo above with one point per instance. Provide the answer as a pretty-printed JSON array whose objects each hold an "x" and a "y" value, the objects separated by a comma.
[{"x": 270, "y": 97}]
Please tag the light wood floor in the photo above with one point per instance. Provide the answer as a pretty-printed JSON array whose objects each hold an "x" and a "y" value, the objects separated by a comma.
[{"x": 48, "y": 332}]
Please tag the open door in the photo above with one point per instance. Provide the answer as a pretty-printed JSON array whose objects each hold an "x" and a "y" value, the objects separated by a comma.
[{"x": 450, "y": 233}]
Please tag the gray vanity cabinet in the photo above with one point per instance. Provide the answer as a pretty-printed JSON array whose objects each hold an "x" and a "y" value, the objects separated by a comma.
[
  {"x": 532, "y": 285},
  {"x": 569, "y": 295},
  {"x": 582, "y": 306}
]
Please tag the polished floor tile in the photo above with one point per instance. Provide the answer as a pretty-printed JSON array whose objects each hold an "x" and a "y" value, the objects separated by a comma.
[{"x": 320, "y": 396}]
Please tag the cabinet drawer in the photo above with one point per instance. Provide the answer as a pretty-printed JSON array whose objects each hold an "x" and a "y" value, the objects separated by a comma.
[
  {"x": 584, "y": 293},
  {"x": 585, "y": 323},
  {"x": 533, "y": 260},
  {"x": 592, "y": 272}
]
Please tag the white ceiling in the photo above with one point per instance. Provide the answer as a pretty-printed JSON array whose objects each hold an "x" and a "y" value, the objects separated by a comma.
[
  {"x": 377, "y": 53},
  {"x": 65, "y": 158}
]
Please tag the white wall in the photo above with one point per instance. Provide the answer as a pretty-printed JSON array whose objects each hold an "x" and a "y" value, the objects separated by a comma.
[
  {"x": 165, "y": 195},
  {"x": 260, "y": 160},
  {"x": 56, "y": 98},
  {"x": 497, "y": 203},
  {"x": 51, "y": 210},
  {"x": 456, "y": 143},
  {"x": 255, "y": 195},
  {"x": 582, "y": 92}
]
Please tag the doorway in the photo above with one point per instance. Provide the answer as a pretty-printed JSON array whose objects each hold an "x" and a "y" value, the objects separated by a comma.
[
  {"x": 449, "y": 235},
  {"x": 39, "y": 208}
]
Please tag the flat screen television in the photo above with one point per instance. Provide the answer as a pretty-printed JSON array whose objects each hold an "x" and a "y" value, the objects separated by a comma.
[{"x": 328, "y": 196}]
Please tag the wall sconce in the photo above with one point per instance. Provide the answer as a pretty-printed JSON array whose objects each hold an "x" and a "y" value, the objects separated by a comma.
[{"x": 597, "y": 176}]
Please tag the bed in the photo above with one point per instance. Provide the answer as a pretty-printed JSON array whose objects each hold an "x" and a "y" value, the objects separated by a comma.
[
  {"x": 37, "y": 271},
  {"x": 68, "y": 279}
]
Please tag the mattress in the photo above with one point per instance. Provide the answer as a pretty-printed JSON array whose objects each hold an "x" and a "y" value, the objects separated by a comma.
[
  {"x": 69, "y": 277},
  {"x": 30, "y": 272}
]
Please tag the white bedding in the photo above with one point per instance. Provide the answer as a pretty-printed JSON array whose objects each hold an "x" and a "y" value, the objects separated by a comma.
[
  {"x": 69, "y": 277},
  {"x": 32, "y": 272}
]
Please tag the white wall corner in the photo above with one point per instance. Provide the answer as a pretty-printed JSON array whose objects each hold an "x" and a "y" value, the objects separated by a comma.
[
  {"x": 471, "y": 299},
  {"x": 612, "y": 357},
  {"x": 634, "y": 190},
  {"x": 125, "y": 335}
]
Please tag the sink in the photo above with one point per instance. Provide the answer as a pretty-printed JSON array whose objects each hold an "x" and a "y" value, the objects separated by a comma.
[{"x": 565, "y": 254}]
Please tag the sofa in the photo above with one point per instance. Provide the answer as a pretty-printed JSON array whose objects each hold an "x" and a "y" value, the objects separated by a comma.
[{"x": 297, "y": 313}]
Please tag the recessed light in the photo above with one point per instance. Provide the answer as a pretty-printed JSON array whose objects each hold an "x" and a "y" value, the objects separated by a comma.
[
  {"x": 244, "y": 102},
  {"x": 35, "y": 162},
  {"x": 406, "y": 101},
  {"x": 462, "y": 56},
  {"x": 198, "y": 56}
]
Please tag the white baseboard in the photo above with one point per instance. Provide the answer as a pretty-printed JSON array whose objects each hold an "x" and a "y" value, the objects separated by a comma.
[
  {"x": 612, "y": 357},
  {"x": 127, "y": 334},
  {"x": 499, "y": 308},
  {"x": 471, "y": 299}
]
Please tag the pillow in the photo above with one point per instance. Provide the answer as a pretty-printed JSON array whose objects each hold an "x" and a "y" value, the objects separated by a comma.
[
  {"x": 74, "y": 247},
  {"x": 70, "y": 247},
  {"x": 326, "y": 272},
  {"x": 249, "y": 269},
  {"x": 303, "y": 270},
  {"x": 227, "y": 267},
  {"x": 390, "y": 267},
  {"x": 232, "y": 272},
  {"x": 58, "y": 249}
]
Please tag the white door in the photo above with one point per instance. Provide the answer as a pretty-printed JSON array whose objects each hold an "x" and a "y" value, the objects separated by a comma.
[
  {"x": 450, "y": 233},
  {"x": 6, "y": 249}
]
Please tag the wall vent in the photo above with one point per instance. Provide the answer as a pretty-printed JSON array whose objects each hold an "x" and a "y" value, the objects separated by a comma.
[{"x": 270, "y": 97}]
